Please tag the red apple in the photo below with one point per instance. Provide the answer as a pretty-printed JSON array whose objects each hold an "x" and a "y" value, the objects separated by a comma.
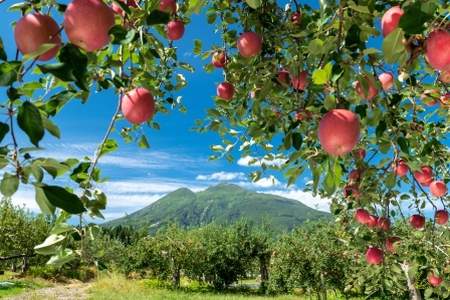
[
  {"x": 441, "y": 217},
  {"x": 371, "y": 89},
  {"x": 417, "y": 221},
  {"x": 424, "y": 176},
  {"x": 360, "y": 154},
  {"x": 438, "y": 49},
  {"x": 283, "y": 77},
  {"x": 118, "y": 10},
  {"x": 296, "y": 18},
  {"x": 175, "y": 30},
  {"x": 138, "y": 105},
  {"x": 87, "y": 24},
  {"x": 438, "y": 188},
  {"x": 401, "y": 168},
  {"x": 225, "y": 90},
  {"x": 445, "y": 99},
  {"x": 219, "y": 59},
  {"x": 362, "y": 216},
  {"x": 372, "y": 222},
  {"x": 387, "y": 80},
  {"x": 354, "y": 175},
  {"x": 249, "y": 44},
  {"x": 339, "y": 131},
  {"x": 383, "y": 223},
  {"x": 168, "y": 6},
  {"x": 390, "y": 243},
  {"x": 351, "y": 190},
  {"x": 34, "y": 30},
  {"x": 434, "y": 280},
  {"x": 300, "y": 82},
  {"x": 303, "y": 114},
  {"x": 390, "y": 19},
  {"x": 374, "y": 256}
]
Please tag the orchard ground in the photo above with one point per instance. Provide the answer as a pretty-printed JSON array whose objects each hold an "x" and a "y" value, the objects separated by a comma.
[{"x": 112, "y": 286}]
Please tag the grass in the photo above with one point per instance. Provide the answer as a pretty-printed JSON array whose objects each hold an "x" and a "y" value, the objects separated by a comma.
[
  {"x": 10, "y": 285},
  {"x": 117, "y": 287}
]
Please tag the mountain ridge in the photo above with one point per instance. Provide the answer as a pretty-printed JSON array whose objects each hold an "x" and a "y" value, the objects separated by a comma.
[{"x": 224, "y": 203}]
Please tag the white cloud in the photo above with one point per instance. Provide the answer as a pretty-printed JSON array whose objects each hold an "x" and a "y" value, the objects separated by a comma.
[
  {"x": 250, "y": 161},
  {"x": 222, "y": 176},
  {"x": 304, "y": 197}
]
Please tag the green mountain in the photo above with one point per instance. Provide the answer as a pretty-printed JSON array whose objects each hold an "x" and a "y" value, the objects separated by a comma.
[{"x": 224, "y": 203}]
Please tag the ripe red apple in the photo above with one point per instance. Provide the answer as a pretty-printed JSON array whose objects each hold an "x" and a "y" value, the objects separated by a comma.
[
  {"x": 249, "y": 44},
  {"x": 400, "y": 168},
  {"x": 296, "y": 18},
  {"x": 360, "y": 154},
  {"x": 441, "y": 217},
  {"x": 390, "y": 243},
  {"x": 438, "y": 188},
  {"x": 34, "y": 30},
  {"x": 362, "y": 216},
  {"x": 219, "y": 59},
  {"x": 300, "y": 82},
  {"x": 225, "y": 90},
  {"x": 390, "y": 19},
  {"x": 283, "y": 77},
  {"x": 371, "y": 89},
  {"x": 351, "y": 190},
  {"x": 417, "y": 221},
  {"x": 118, "y": 10},
  {"x": 354, "y": 175},
  {"x": 339, "y": 131},
  {"x": 445, "y": 99},
  {"x": 383, "y": 223},
  {"x": 168, "y": 6},
  {"x": 372, "y": 222},
  {"x": 138, "y": 105},
  {"x": 175, "y": 30},
  {"x": 374, "y": 256},
  {"x": 424, "y": 176},
  {"x": 87, "y": 24},
  {"x": 438, "y": 49},
  {"x": 387, "y": 80},
  {"x": 434, "y": 280}
]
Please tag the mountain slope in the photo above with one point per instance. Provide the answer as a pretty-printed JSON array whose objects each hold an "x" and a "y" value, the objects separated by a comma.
[{"x": 224, "y": 203}]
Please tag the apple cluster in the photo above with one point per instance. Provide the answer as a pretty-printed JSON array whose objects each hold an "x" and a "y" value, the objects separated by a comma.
[{"x": 87, "y": 24}]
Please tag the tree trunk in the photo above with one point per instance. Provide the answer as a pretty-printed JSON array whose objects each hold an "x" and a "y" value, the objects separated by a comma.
[
  {"x": 25, "y": 265},
  {"x": 264, "y": 271},
  {"x": 176, "y": 278},
  {"x": 414, "y": 294},
  {"x": 13, "y": 267}
]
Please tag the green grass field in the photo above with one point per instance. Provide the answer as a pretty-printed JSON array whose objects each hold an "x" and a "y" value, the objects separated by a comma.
[{"x": 10, "y": 286}]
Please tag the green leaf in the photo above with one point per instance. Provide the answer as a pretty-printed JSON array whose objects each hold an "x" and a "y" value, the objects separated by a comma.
[
  {"x": 322, "y": 76},
  {"x": 195, "y": 6},
  {"x": 9, "y": 184},
  {"x": 4, "y": 129},
  {"x": 9, "y": 72},
  {"x": 30, "y": 121},
  {"x": 393, "y": 49},
  {"x": 297, "y": 140},
  {"x": 390, "y": 180},
  {"x": 197, "y": 47},
  {"x": 416, "y": 16},
  {"x": 109, "y": 146},
  {"x": 63, "y": 199},
  {"x": 122, "y": 35},
  {"x": 3, "y": 55},
  {"x": 41, "y": 50},
  {"x": 63, "y": 257},
  {"x": 158, "y": 17},
  {"x": 52, "y": 128},
  {"x": 72, "y": 66},
  {"x": 403, "y": 144},
  {"x": 254, "y": 3},
  {"x": 50, "y": 245},
  {"x": 143, "y": 143},
  {"x": 46, "y": 207}
]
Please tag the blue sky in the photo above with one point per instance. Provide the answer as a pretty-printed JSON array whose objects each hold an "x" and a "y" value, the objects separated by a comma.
[{"x": 178, "y": 156}]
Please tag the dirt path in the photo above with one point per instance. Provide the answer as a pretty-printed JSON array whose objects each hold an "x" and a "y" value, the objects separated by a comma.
[{"x": 74, "y": 291}]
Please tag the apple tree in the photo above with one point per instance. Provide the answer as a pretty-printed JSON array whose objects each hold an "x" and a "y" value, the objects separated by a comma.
[
  {"x": 360, "y": 108},
  {"x": 65, "y": 52}
]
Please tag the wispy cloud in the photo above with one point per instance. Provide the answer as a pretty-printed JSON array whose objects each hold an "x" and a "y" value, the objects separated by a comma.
[
  {"x": 222, "y": 176},
  {"x": 306, "y": 198}
]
